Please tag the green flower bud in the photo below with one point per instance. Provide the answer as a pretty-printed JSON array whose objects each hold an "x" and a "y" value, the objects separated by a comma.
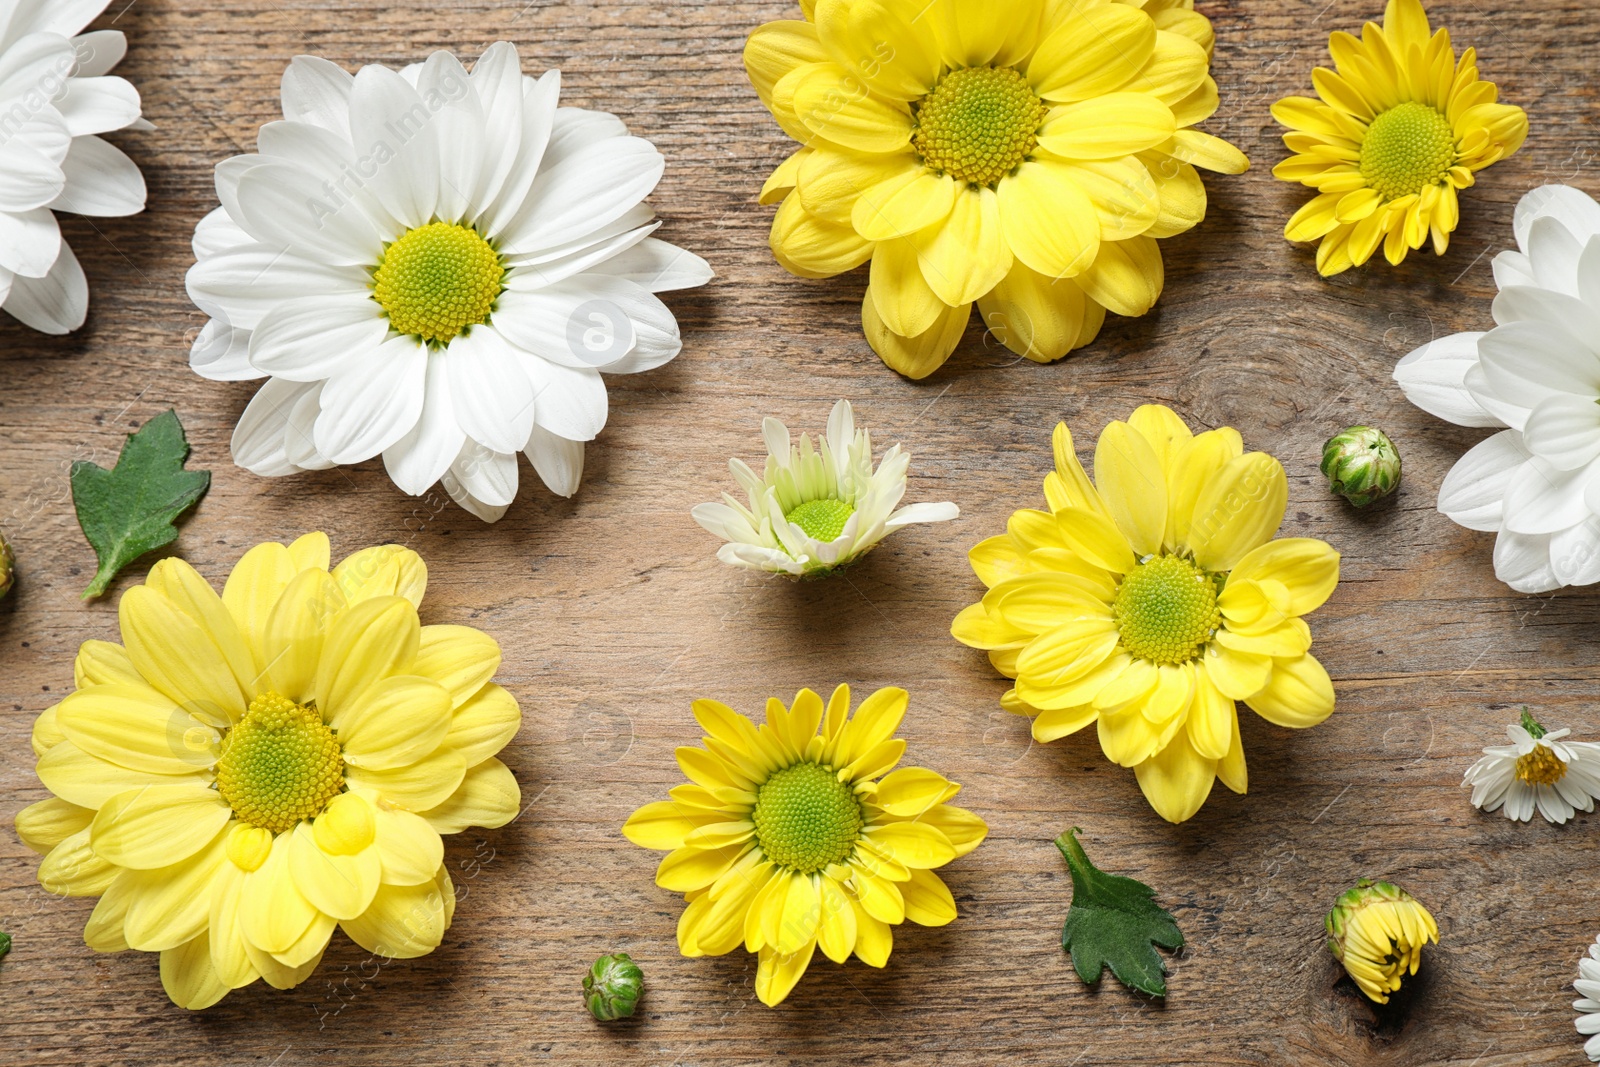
[
  {"x": 5, "y": 945},
  {"x": 8, "y": 567},
  {"x": 1361, "y": 465},
  {"x": 613, "y": 986}
]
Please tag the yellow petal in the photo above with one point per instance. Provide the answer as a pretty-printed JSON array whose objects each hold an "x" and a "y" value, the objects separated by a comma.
[
  {"x": 910, "y": 791},
  {"x": 1307, "y": 568},
  {"x": 488, "y": 796},
  {"x": 1176, "y": 68},
  {"x": 995, "y": 559},
  {"x": 686, "y": 869},
  {"x": 1049, "y": 222},
  {"x": 777, "y": 973},
  {"x": 310, "y": 551},
  {"x": 138, "y": 728},
  {"x": 900, "y": 206},
  {"x": 928, "y": 900},
  {"x": 188, "y": 976},
  {"x": 1056, "y": 723},
  {"x": 777, "y": 48},
  {"x": 1298, "y": 694},
  {"x": 798, "y": 916},
  {"x": 1179, "y": 192},
  {"x": 395, "y": 723},
  {"x": 1096, "y": 538},
  {"x": 88, "y": 781},
  {"x": 1238, "y": 510},
  {"x": 230, "y": 958},
  {"x": 1237, "y": 675},
  {"x": 1172, "y": 695},
  {"x": 103, "y": 663},
  {"x": 368, "y": 642},
  {"x": 104, "y": 930},
  {"x": 1207, "y": 152},
  {"x": 157, "y": 825},
  {"x": 1107, "y": 127},
  {"x": 1191, "y": 468},
  {"x": 966, "y": 256},
  {"x": 904, "y": 300},
  {"x": 873, "y": 723},
  {"x": 295, "y": 630},
  {"x": 1125, "y": 196},
  {"x": 1213, "y": 719},
  {"x": 831, "y": 179},
  {"x": 341, "y": 886},
  {"x": 191, "y": 594},
  {"x": 44, "y": 825},
  {"x": 178, "y": 657},
  {"x": 383, "y": 570},
  {"x": 409, "y": 848},
  {"x": 1290, "y": 638},
  {"x": 1126, "y": 277},
  {"x": 72, "y": 869},
  {"x": 912, "y": 844},
  {"x": 1091, "y": 52},
  {"x": 921, "y": 355},
  {"x": 1176, "y": 780},
  {"x": 1033, "y": 314},
  {"x": 829, "y": 102},
  {"x": 253, "y": 587},
  {"x": 879, "y": 897},
  {"x": 403, "y": 922},
  {"x": 836, "y": 930},
  {"x": 1126, "y": 737},
  {"x": 874, "y": 937},
  {"x": 484, "y": 725},
  {"x": 976, "y": 33},
  {"x": 169, "y": 906},
  {"x": 1038, "y": 603},
  {"x": 894, "y": 50},
  {"x": 782, "y": 181},
  {"x": 46, "y": 732},
  {"x": 273, "y": 913},
  {"x": 429, "y": 783},
  {"x": 1129, "y": 475},
  {"x": 1062, "y": 656},
  {"x": 804, "y": 717},
  {"x": 810, "y": 247}
]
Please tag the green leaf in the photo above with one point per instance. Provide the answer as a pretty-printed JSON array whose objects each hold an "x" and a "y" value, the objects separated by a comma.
[
  {"x": 129, "y": 510},
  {"x": 5, "y": 945},
  {"x": 1113, "y": 921}
]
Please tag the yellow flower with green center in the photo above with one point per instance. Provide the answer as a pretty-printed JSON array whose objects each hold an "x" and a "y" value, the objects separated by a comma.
[
  {"x": 1400, "y": 128},
  {"x": 437, "y": 281},
  {"x": 1377, "y": 931},
  {"x": 1021, "y": 155},
  {"x": 800, "y": 834},
  {"x": 250, "y": 770},
  {"x": 1148, "y": 601}
]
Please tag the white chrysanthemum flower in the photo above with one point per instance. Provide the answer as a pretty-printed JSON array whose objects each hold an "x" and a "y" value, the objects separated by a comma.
[
  {"x": 436, "y": 267},
  {"x": 1539, "y": 769},
  {"x": 1588, "y": 1004},
  {"x": 815, "y": 509},
  {"x": 55, "y": 97},
  {"x": 1535, "y": 484}
]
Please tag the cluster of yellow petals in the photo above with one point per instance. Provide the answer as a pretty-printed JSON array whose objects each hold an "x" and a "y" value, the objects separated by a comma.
[
  {"x": 1023, "y": 155},
  {"x": 1158, "y": 673},
  {"x": 1401, "y": 126},
  {"x": 848, "y": 854},
  {"x": 362, "y": 736}
]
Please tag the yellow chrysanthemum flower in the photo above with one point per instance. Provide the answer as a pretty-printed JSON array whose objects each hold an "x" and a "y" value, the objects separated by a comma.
[
  {"x": 1400, "y": 128},
  {"x": 1377, "y": 931},
  {"x": 1149, "y": 601},
  {"x": 791, "y": 839},
  {"x": 1025, "y": 155},
  {"x": 254, "y": 768}
]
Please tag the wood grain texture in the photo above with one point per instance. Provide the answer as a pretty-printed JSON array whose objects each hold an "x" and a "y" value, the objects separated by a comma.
[{"x": 614, "y": 613}]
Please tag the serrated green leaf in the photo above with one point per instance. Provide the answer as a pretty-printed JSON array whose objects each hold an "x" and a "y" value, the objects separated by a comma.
[
  {"x": 1112, "y": 922},
  {"x": 129, "y": 510}
]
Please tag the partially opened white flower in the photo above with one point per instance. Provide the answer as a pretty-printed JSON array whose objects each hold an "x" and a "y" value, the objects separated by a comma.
[
  {"x": 1588, "y": 1003},
  {"x": 436, "y": 267},
  {"x": 814, "y": 510},
  {"x": 55, "y": 97},
  {"x": 1539, "y": 770},
  {"x": 1537, "y": 483}
]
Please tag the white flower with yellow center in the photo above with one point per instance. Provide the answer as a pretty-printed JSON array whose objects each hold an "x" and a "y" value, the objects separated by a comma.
[
  {"x": 56, "y": 97},
  {"x": 814, "y": 510},
  {"x": 1588, "y": 1004},
  {"x": 1538, "y": 770},
  {"x": 436, "y": 267}
]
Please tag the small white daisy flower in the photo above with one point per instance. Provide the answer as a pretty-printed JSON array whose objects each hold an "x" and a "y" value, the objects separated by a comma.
[
  {"x": 1588, "y": 1004},
  {"x": 56, "y": 96},
  {"x": 1537, "y": 770},
  {"x": 815, "y": 509},
  {"x": 435, "y": 267}
]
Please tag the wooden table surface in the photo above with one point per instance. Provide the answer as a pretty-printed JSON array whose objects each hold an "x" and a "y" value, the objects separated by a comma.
[{"x": 614, "y": 613}]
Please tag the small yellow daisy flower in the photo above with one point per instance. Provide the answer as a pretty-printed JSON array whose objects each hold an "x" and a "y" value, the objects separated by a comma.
[
  {"x": 799, "y": 834},
  {"x": 1401, "y": 127},
  {"x": 1021, "y": 155},
  {"x": 252, "y": 769},
  {"x": 1377, "y": 931},
  {"x": 1150, "y": 600}
]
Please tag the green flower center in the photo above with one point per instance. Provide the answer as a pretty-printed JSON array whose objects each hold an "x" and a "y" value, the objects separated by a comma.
[
  {"x": 978, "y": 124},
  {"x": 437, "y": 280},
  {"x": 806, "y": 818},
  {"x": 1407, "y": 148},
  {"x": 1166, "y": 610},
  {"x": 822, "y": 519},
  {"x": 279, "y": 765}
]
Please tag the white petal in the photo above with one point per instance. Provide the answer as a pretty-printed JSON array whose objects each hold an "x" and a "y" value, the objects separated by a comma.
[
  {"x": 1543, "y": 500},
  {"x": 373, "y": 401},
  {"x": 588, "y": 255},
  {"x": 39, "y": 63},
  {"x": 387, "y": 112},
  {"x": 1576, "y": 210},
  {"x": 538, "y": 119},
  {"x": 64, "y": 17},
  {"x": 422, "y": 456},
  {"x": 558, "y": 461},
  {"x": 1522, "y": 561},
  {"x": 571, "y": 323},
  {"x": 99, "y": 51},
  {"x": 258, "y": 440},
  {"x": 217, "y": 232},
  {"x": 222, "y": 353},
  {"x": 497, "y": 82},
  {"x": 243, "y": 284},
  {"x": 569, "y": 402},
  {"x": 1554, "y": 252},
  {"x": 490, "y": 391},
  {"x": 1513, "y": 268},
  {"x": 486, "y": 512},
  {"x": 98, "y": 105},
  {"x": 1526, "y": 362},
  {"x": 488, "y": 476},
  {"x": 575, "y": 196},
  {"x": 30, "y": 241},
  {"x": 1433, "y": 378},
  {"x": 1564, "y": 430},
  {"x": 658, "y": 267},
  {"x": 309, "y": 338},
  {"x": 726, "y": 522},
  {"x": 942, "y": 512},
  {"x": 1518, "y": 303},
  {"x": 30, "y": 172},
  {"x": 101, "y": 180},
  {"x": 1589, "y": 273},
  {"x": 285, "y": 205},
  {"x": 58, "y": 303},
  {"x": 318, "y": 92},
  {"x": 457, "y": 125},
  {"x": 1473, "y": 493}
]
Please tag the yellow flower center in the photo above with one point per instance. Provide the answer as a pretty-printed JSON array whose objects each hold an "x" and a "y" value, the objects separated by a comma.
[
  {"x": 1166, "y": 610},
  {"x": 822, "y": 519},
  {"x": 1541, "y": 767},
  {"x": 1407, "y": 148},
  {"x": 806, "y": 818},
  {"x": 279, "y": 765},
  {"x": 978, "y": 124},
  {"x": 437, "y": 280}
]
